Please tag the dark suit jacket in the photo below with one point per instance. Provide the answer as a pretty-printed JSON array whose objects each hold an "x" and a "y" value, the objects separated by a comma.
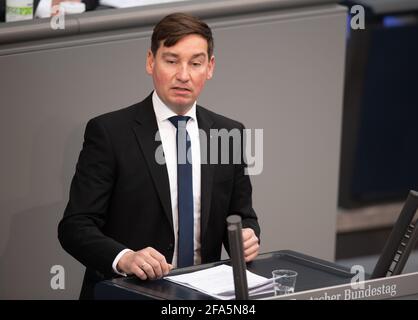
[{"x": 120, "y": 196}]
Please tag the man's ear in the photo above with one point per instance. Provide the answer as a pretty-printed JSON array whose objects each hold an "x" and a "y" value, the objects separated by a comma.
[
  {"x": 211, "y": 68},
  {"x": 150, "y": 62}
]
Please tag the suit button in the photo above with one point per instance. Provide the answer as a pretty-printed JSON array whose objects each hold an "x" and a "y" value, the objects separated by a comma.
[{"x": 170, "y": 246}]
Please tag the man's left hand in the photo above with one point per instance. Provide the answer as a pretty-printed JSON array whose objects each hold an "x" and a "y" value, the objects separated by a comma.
[{"x": 251, "y": 245}]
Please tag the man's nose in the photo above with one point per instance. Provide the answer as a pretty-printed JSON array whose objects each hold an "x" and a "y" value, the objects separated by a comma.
[{"x": 183, "y": 73}]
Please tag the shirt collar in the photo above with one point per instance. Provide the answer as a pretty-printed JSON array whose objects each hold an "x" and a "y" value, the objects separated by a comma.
[{"x": 162, "y": 112}]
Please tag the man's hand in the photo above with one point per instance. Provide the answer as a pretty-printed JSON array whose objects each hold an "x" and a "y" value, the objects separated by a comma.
[
  {"x": 251, "y": 244},
  {"x": 147, "y": 263}
]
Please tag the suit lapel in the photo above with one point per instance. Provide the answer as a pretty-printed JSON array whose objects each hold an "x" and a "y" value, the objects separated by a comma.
[
  {"x": 207, "y": 170},
  {"x": 145, "y": 131}
]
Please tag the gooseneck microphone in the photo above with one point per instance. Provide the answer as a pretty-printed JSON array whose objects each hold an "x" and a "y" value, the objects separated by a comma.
[
  {"x": 236, "y": 250},
  {"x": 401, "y": 241}
]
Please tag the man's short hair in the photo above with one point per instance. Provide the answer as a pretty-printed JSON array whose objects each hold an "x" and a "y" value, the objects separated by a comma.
[{"x": 175, "y": 27}]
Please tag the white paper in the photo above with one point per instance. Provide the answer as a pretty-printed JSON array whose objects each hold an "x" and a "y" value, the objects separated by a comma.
[{"x": 218, "y": 282}]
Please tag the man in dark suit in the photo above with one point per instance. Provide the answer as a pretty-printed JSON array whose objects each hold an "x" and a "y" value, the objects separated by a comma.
[{"x": 130, "y": 213}]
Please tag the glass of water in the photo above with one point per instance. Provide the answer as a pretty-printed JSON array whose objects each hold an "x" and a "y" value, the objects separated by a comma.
[{"x": 284, "y": 281}]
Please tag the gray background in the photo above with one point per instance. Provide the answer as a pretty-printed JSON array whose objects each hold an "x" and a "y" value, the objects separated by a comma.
[{"x": 279, "y": 70}]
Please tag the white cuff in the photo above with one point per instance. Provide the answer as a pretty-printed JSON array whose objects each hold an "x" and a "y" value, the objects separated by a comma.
[{"x": 115, "y": 262}]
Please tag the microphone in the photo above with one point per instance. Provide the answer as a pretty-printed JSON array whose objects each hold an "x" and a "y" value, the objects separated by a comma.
[
  {"x": 236, "y": 249},
  {"x": 401, "y": 241}
]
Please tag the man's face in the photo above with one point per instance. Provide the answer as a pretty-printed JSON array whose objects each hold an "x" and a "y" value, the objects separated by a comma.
[{"x": 179, "y": 72}]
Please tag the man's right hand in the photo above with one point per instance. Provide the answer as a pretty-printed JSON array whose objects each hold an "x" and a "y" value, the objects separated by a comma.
[{"x": 147, "y": 263}]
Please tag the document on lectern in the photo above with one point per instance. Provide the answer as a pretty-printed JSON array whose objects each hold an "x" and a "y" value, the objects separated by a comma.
[{"x": 218, "y": 282}]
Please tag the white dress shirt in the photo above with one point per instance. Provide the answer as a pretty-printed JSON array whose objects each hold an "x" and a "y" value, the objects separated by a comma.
[{"x": 168, "y": 139}]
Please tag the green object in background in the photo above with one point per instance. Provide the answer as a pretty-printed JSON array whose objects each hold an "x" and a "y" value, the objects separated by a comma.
[{"x": 18, "y": 10}]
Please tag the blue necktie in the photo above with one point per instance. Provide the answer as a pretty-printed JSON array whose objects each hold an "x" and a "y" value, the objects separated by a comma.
[{"x": 185, "y": 192}]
